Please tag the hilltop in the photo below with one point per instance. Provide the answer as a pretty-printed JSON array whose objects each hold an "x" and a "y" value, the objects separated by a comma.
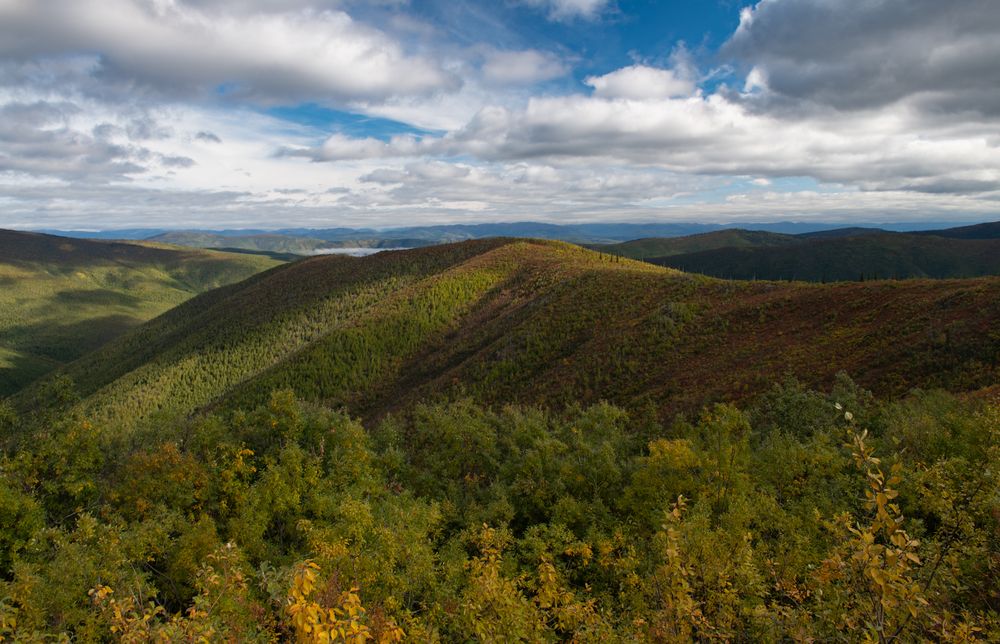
[
  {"x": 669, "y": 246},
  {"x": 62, "y": 297},
  {"x": 533, "y": 322}
]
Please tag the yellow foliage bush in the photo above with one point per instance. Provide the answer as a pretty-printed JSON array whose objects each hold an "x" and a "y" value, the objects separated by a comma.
[{"x": 346, "y": 622}]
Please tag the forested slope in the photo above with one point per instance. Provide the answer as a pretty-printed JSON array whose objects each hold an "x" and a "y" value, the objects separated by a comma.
[
  {"x": 670, "y": 246},
  {"x": 533, "y": 322}
]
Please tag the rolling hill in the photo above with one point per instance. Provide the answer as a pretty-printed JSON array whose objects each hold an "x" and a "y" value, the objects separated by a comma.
[
  {"x": 274, "y": 243},
  {"x": 827, "y": 255},
  {"x": 61, "y": 298},
  {"x": 865, "y": 256},
  {"x": 851, "y": 231},
  {"x": 532, "y": 322},
  {"x": 270, "y": 243},
  {"x": 989, "y": 230},
  {"x": 670, "y": 246}
]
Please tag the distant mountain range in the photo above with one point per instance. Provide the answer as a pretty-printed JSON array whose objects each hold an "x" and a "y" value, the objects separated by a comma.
[
  {"x": 281, "y": 243},
  {"x": 308, "y": 239}
]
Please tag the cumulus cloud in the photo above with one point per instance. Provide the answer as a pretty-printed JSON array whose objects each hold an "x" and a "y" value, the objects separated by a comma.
[
  {"x": 881, "y": 96},
  {"x": 710, "y": 135},
  {"x": 207, "y": 137},
  {"x": 714, "y": 135},
  {"x": 339, "y": 147},
  {"x": 569, "y": 9},
  {"x": 111, "y": 114},
  {"x": 521, "y": 67},
  {"x": 45, "y": 139},
  {"x": 183, "y": 49},
  {"x": 503, "y": 193},
  {"x": 939, "y": 57},
  {"x": 640, "y": 82}
]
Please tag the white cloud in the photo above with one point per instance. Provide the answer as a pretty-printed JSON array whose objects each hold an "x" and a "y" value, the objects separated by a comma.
[
  {"x": 521, "y": 67},
  {"x": 569, "y": 9},
  {"x": 339, "y": 147},
  {"x": 714, "y": 135},
  {"x": 110, "y": 114},
  {"x": 640, "y": 82},
  {"x": 482, "y": 193},
  {"x": 756, "y": 80},
  {"x": 888, "y": 150},
  {"x": 180, "y": 49},
  {"x": 939, "y": 57}
]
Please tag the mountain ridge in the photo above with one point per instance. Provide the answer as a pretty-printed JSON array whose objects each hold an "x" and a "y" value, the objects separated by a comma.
[{"x": 535, "y": 322}]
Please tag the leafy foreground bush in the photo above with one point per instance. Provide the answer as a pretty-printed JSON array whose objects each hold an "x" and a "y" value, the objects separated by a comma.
[{"x": 804, "y": 517}]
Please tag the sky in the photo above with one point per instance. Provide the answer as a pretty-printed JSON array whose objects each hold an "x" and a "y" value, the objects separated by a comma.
[{"x": 380, "y": 113}]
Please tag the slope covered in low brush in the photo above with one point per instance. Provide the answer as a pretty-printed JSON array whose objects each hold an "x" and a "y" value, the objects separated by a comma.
[
  {"x": 61, "y": 298},
  {"x": 868, "y": 256},
  {"x": 532, "y": 322}
]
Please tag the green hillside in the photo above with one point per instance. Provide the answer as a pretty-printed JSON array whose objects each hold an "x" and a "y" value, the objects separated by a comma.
[
  {"x": 532, "y": 322},
  {"x": 669, "y": 246},
  {"x": 61, "y": 298},
  {"x": 868, "y": 256}
]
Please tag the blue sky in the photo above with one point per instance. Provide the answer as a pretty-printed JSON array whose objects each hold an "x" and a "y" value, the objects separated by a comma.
[
  {"x": 640, "y": 30},
  {"x": 325, "y": 113}
]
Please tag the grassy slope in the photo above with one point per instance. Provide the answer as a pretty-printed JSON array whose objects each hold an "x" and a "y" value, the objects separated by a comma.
[
  {"x": 535, "y": 322},
  {"x": 62, "y": 297},
  {"x": 890, "y": 255},
  {"x": 669, "y": 246}
]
